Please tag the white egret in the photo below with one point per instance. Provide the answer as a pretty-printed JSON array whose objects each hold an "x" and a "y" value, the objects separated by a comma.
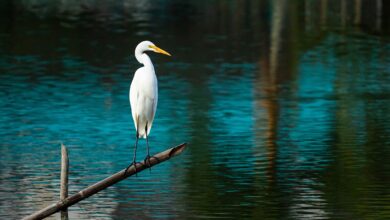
[{"x": 144, "y": 95}]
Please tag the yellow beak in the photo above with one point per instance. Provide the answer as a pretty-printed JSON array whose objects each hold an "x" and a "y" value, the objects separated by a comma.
[{"x": 159, "y": 50}]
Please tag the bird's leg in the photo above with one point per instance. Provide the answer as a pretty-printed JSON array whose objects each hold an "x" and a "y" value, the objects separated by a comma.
[
  {"x": 147, "y": 159},
  {"x": 135, "y": 155}
]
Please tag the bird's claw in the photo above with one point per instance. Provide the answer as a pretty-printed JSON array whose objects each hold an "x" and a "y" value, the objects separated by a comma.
[
  {"x": 135, "y": 167},
  {"x": 147, "y": 160}
]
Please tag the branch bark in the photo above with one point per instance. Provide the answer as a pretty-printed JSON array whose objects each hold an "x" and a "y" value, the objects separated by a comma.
[
  {"x": 64, "y": 179},
  {"x": 99, "y": 186}
]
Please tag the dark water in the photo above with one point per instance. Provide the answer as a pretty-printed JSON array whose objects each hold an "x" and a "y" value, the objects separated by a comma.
[{"x": 286, "y": 107}]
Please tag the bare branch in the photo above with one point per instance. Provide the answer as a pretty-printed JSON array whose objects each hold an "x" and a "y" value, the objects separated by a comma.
[
  {"x": 64, "y": 179},
  {"x": 109, "y": 181}
]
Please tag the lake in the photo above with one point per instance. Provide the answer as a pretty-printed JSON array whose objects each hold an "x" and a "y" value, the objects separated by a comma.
[{"x": 285, "y": 107}]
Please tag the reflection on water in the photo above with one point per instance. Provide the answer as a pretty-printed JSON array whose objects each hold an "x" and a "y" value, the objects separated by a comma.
[{"x": 286, "y": 107}]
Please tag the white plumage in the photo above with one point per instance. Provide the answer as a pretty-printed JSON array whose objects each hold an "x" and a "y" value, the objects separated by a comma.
[
  {"x": 143, "y": 97},
  {"x": 144, "y": 91}
]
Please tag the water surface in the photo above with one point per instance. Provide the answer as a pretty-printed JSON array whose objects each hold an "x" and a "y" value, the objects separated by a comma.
[{"x": 285, "y": 106}]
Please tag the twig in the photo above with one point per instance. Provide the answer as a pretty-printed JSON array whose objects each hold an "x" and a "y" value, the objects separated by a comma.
[{"x": 64, "y": 179}]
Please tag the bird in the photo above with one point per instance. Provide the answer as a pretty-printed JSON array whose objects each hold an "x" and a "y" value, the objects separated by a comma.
[{"x": 143, "y": 95}]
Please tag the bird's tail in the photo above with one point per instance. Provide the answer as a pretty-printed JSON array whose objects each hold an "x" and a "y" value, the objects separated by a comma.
[{"x": 141, "y": 131}]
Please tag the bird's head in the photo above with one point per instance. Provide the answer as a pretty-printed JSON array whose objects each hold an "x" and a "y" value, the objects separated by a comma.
[{"x": 149, "y": 46}]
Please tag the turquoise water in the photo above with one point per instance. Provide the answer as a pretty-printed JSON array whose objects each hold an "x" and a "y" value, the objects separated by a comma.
[{"x": 285, "y": 106}]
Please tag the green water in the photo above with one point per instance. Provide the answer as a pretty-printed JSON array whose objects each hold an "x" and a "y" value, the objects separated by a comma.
[{"x": 285, "y": 106}]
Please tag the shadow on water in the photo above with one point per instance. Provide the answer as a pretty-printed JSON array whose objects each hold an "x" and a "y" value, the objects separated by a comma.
[{"x": 285, "y": 105}]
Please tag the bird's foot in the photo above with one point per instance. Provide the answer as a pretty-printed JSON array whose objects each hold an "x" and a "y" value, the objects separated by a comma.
[
  {"x": 147, "y": 161},
  {"x": 135, "y": 167}
]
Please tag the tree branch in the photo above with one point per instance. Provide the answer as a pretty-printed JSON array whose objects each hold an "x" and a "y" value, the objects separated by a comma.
[
  {"x": 99, "y": 186},
  {"x": 64, "y": 179}
]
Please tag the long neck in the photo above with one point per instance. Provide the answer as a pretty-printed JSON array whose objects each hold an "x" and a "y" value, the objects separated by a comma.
[{"x": 144, "y": 59}]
